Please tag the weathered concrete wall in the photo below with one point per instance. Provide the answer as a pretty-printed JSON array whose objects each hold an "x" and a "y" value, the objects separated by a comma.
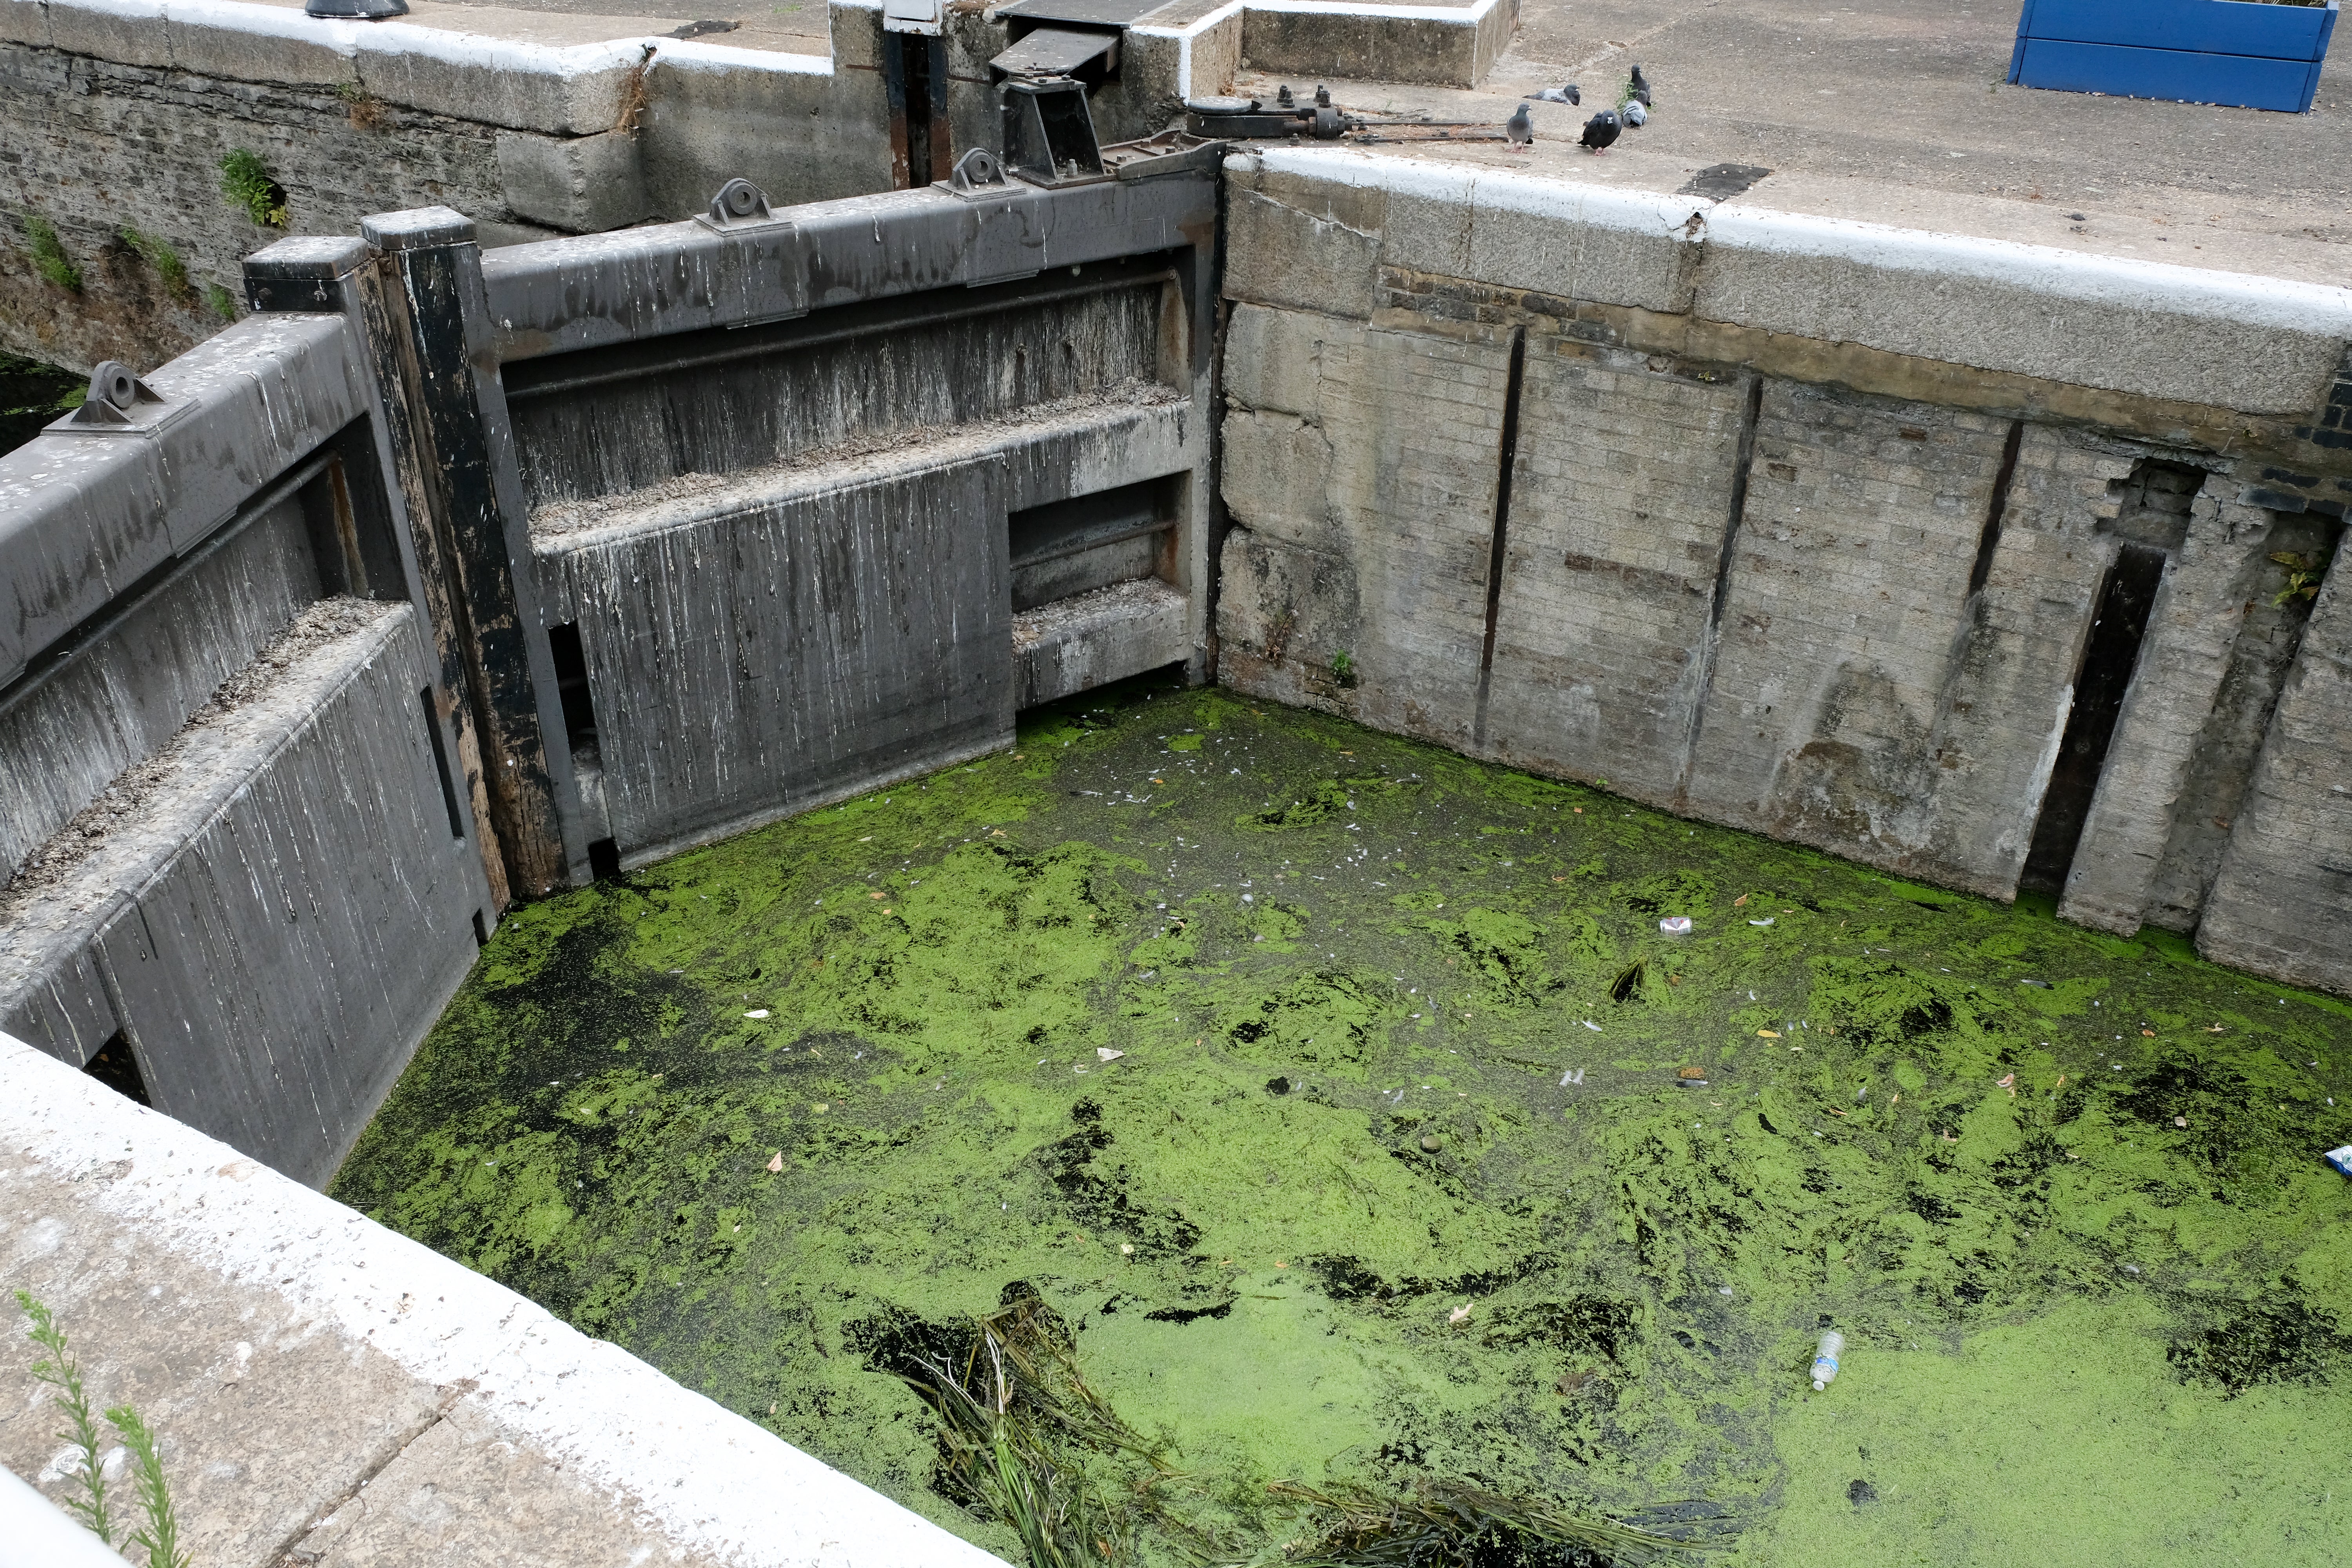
[
  {"x": 328, "y": 1393},
  {"x": 236, "y": 850},
  {"x": 1800, "y": 526},
  {"x": 118, "y": 117}
]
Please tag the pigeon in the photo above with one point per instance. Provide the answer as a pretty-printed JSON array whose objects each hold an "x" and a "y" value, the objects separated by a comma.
[
  {"x": 1637, "y": 88},
  {"x": 1566, "y": 94},
  {"x": 1631, "y": 112},
  {"x": 1520, "y": 128},
  {"x": 1598, "y": 132}
]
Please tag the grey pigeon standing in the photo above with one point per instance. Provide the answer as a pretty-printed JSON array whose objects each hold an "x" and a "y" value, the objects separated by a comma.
[
  {"x": 1637, "y": 88},
  {"x": 1631, "y": 112},
  {"x": 1600, "y": 131},
  {"x": 1566, "y": 94},
  {"x": 1520, "y": 128}
]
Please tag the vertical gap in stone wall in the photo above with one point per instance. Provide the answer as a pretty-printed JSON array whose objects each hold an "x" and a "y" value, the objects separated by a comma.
[
  {"x": 2125, "y": 598},
  {"x": 1990, "y": 539},
  {"x": 1499, "y": 546},
  {"x": 441, "y": 763},
  {"x": 1744, "y": 459}
]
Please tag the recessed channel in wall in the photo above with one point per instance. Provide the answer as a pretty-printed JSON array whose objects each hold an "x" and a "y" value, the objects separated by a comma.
[
  {"x": 2152, "y": 522},
  {"x": 571, "y": 662},
  {"x": 1070, "y": 547}
]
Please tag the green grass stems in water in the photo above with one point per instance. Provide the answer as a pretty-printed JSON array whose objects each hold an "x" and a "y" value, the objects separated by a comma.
[
  {"x": 49, "y": 258},
  {"x": 1017, "y": 1423},
  {"x": 1448, "y": 1525},
  {"x": 246, "y": 182},
  {"x": 160, "y": 1536}
]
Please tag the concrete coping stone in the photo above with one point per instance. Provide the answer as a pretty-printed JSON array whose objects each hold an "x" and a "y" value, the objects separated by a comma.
[
  {"x": 308, "y": 257},
  {"x": 418, "y": 228},
  {"x": 570, "y": 89},
  {"x": 2151, "y": 328},
  {"x": 716, "y": 1486}
]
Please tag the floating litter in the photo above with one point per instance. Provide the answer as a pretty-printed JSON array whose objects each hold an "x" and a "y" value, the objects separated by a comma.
[
  {"x": 757, "y": 1013},
  {"x": 1675, "y": 925},
  {"x": 1591, "y": 1026},
  {"x": 1765, "y": 922},
  {"x": 2341, "y": 1159}
]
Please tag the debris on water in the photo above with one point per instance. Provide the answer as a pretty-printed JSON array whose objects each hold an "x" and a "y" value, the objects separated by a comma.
[
  {"x": 776, "y": 1162},
  {"x": 1768, "y": 919},
  {"x": 1691, "y": 1073},
  {"x": 2341, "y": 1158},
  {"x": 1431, "y": 1143},
  {"x": 1861, "y": 1094},
  {"x": 2181, "y": 1121},
  {"x": 1675, "y": 925},
  {"x": 1767, "y": 1034},
  {"x": 2008, "y": 1082},
  {"x": 757, "y": 1013},
  {"x": 1825, "y": 1358},
  {"x": 1460, "y": 1314},
  {"x": 1861, "y": 1493},
  {"x": 1690, "y": 1083},
  {"x": 1591, "y": 1026},
  {"x": 2037, "y": 985},
  {"x": 2131, "y": 1267},
  {"x": 1277, "y": 1085},
  {"x": 1127, "y": 1250},
  {"x": 1574, "y": 1075},
  {"x": 1104, "y": 1053}
]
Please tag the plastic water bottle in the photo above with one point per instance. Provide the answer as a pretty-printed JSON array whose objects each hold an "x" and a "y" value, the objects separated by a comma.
[{"x": 1825, "y": 1358}]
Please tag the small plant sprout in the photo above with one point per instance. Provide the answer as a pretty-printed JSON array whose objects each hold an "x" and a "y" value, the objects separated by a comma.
[
  {"x": 57, "y": 1369},
  {"x": 162, "y": 258},
  {"x": 160, "y": 1536},
  {"x": 246, "y": 182},
  {"x": 49, "y": 258}
]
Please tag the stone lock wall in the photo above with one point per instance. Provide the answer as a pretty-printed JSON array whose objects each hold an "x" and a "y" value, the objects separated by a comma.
[{"x": 1796, "y": 526}]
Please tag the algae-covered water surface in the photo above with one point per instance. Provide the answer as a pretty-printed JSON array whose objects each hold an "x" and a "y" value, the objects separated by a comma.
[{"x": 1347, "y": 1104}]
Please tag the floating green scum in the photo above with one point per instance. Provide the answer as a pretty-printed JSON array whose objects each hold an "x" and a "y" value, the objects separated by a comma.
[{"x": 1338, "y": 1113}]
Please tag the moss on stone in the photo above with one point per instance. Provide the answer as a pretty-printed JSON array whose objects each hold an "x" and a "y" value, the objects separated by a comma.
[{"x": 2061, "y": 1192}]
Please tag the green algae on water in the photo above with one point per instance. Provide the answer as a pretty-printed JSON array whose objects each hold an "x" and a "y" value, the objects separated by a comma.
[{"x": 1149, "y": 1019}]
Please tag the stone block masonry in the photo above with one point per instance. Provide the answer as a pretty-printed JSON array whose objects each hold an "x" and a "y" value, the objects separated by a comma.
[{"x": 1649, "y": 489}]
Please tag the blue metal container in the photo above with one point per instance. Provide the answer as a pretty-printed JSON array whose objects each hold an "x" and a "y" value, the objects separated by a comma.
[{"x": 2231, "y": 52}]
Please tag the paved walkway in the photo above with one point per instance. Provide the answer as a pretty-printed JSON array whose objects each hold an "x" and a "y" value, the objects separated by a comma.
[{"x": 1896, "y": 111}]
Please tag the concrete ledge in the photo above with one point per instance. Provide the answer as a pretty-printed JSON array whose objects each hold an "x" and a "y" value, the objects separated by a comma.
[
  {"x": 1091, "y": 639},
  {"x": 1441, "y": 45},
  {"x": 331, "y": 1393},
  {"x": 2259, "y": 345},
  {"x": 2181, "y": 334}
]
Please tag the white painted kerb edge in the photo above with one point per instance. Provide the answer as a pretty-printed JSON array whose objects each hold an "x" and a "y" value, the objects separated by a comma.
[{"x": 697, "y": 1473}]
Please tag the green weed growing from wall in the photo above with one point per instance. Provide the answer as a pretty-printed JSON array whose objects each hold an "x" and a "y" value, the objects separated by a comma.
[
  {"x": 165, "y": 260},
  {"x": 49, "y": 257},
  {"x": 222, "y": 302},
  {"x": 246, "y": 182}
]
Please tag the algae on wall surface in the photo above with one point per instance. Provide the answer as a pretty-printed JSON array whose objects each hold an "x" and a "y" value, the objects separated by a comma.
[{"x": 1346, "y": 1101}]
